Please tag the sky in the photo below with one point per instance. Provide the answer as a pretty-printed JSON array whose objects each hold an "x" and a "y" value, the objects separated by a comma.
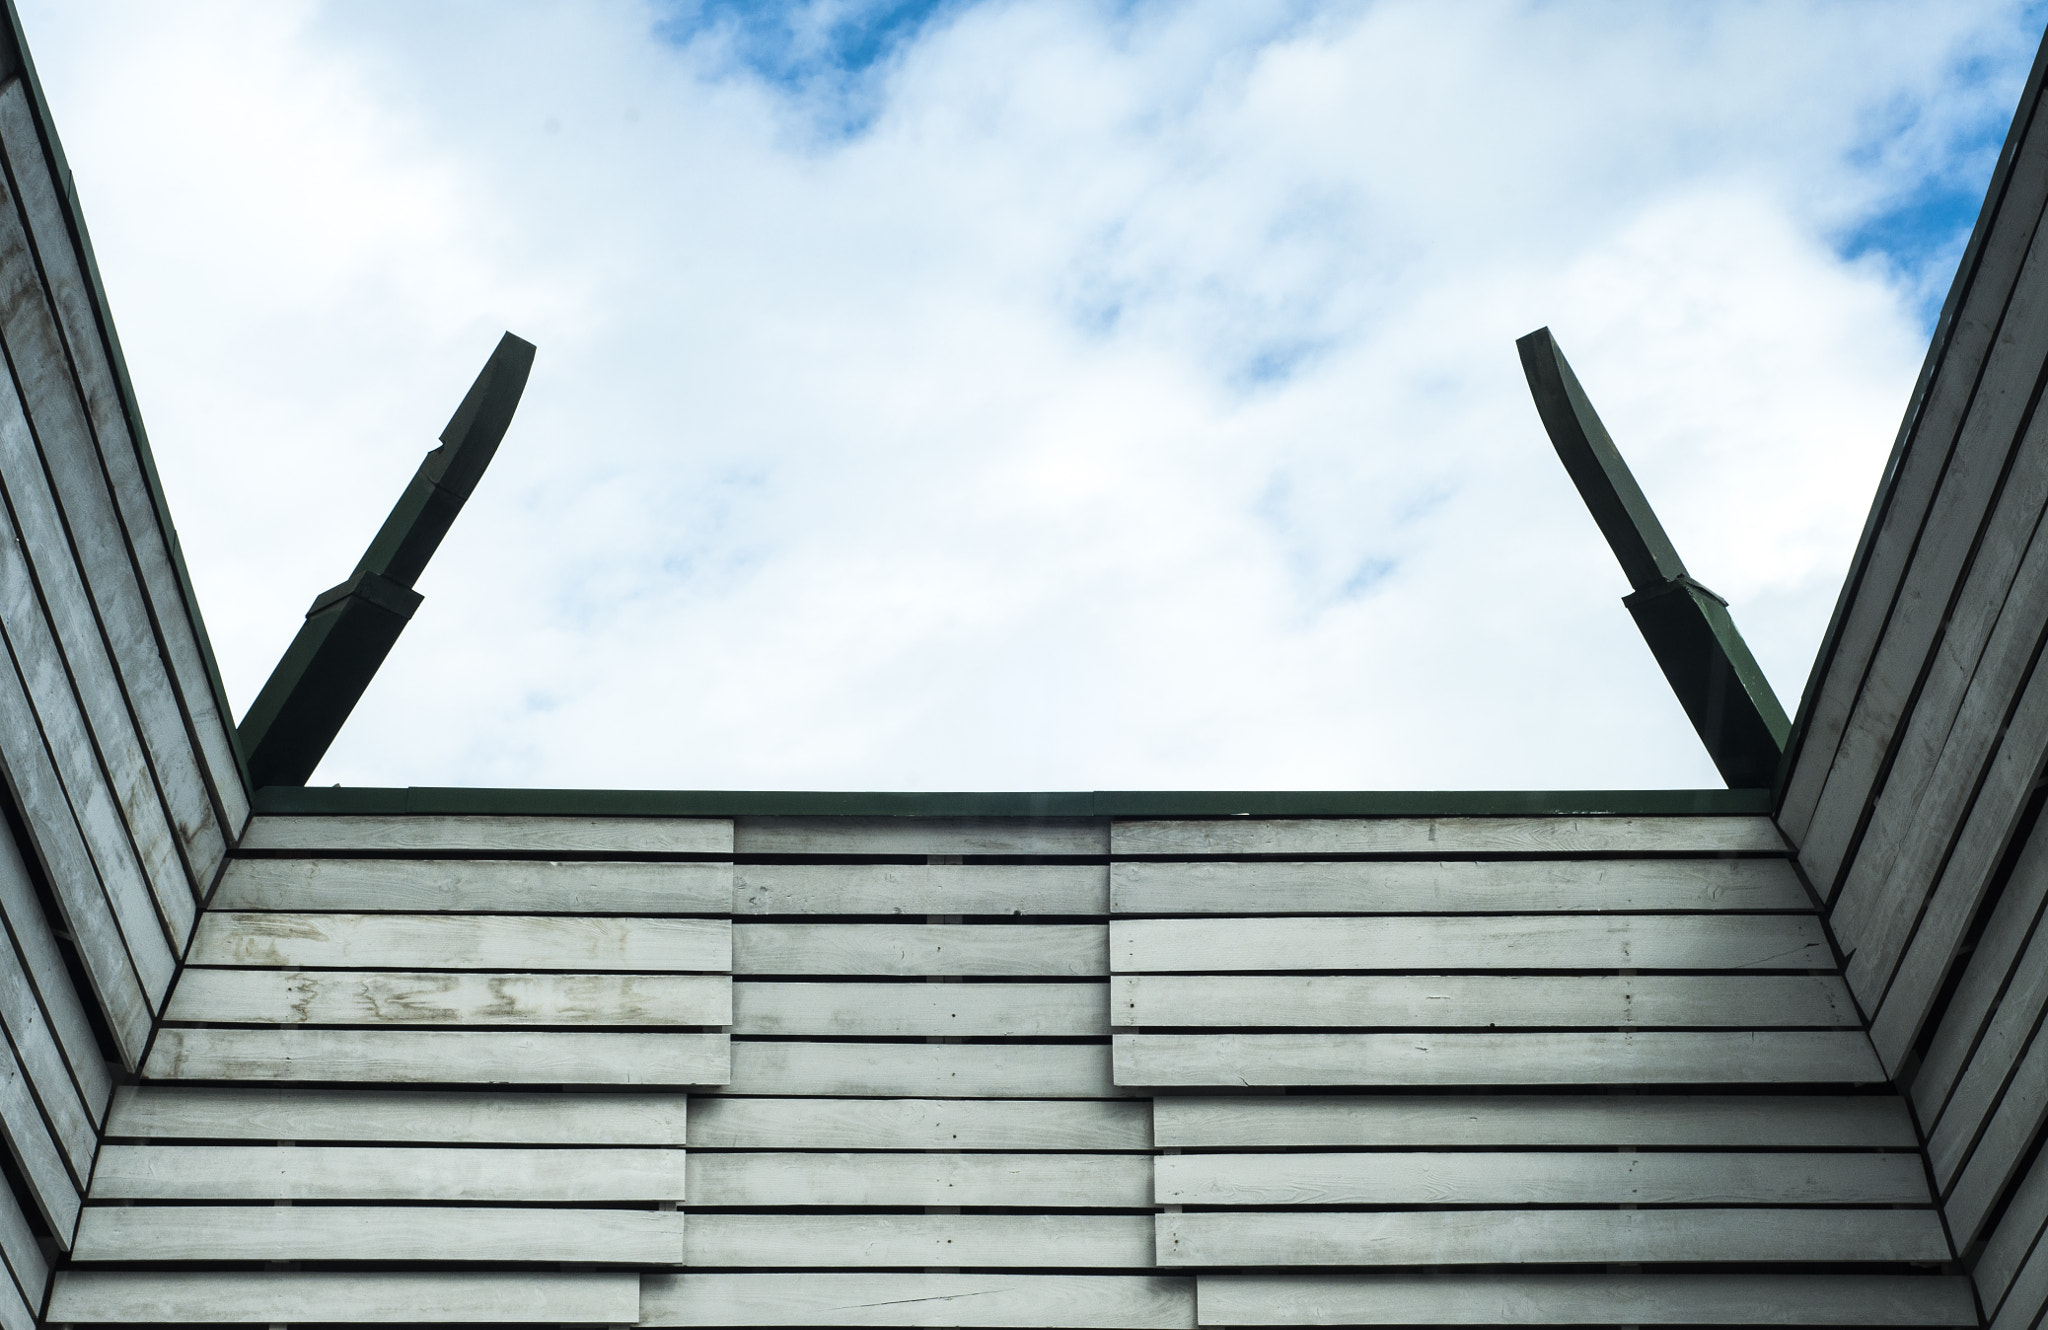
[{"x": 1025, "y": 394}]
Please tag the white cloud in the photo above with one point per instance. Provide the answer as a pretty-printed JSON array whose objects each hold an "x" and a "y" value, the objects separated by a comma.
[{"x": 1132, "y": 403}]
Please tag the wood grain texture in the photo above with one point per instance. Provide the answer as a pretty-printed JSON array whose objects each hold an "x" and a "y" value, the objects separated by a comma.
[
  {"x": 965, "y": 1071},
  {"x": 1013, "y": 1302},
  {"x": 1999, "y": 1053},
  {"x": 853, "y": 1241},
  {"x": 462, "y": 942},
  {"x": 1435, "y": 836},
  {"x": 425, "y": 1057},
  {"x": 1437, "y": 886},
  {"x": 256, "y": 1112},
  {"x": 988, "y": 950},
  {"x": 386, "y": 1173},
  {"x": 1975, "y": 1161},
  {"x": 1649, "y": 1057},
  {"x": 2026, "y": 1296},
  {"x": 717, "y": 1122},
  {"x": 379, "y": 1233},
  {"x": 2013, "y": 1237},
  {"x": 891, "y": 889},
  {"x": 50, "y": 980},
  {"x": 26, "y": 1263},
  {"x": 437, "y": 834},
  {"x": 475, "y": 886},
  {"x": 38, "y": 1156},
  {"x": 1028, "y": 1011},
  {"x": 380, "y": 997},
  {"x": 383, "y": 1297},
  {"x": 882, "y": 836},
  {"x": 866, "y": 1178},
  {"x": 1438, "y": 1001}
]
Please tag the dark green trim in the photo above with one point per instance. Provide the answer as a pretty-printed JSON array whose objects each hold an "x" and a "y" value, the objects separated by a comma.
[{"x": 416, "y": 799}]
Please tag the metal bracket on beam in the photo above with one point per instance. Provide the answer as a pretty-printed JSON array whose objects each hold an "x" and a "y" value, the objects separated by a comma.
[
  {"x": 352, "y": 627},
  {"x": 1688, "y": 628}
]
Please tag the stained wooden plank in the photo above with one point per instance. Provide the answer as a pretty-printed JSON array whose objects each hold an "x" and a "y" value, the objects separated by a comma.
[
  {"x": 462, "y": 942},
  {"x": 1836, "y": 1121},
  {"x": 386, "y": 1173},
  {"x": 382, "y": 997},
  {"x": 717, "y": 1122},
  {"x": 965, "y": 1071},
  {"x": 70, "y": 1121},
  {"x": 1973, "y": 1162},
  {"x": 2000, "y": 1049},
  {"x": 2025, "y": 1297},
  {"x": 1030, "y": 1011},
  {"x": 887, "y": 889},
  {"x": 1015, "y": 1302},
  {"x": 2013, "y": 1238},
  {"x": 1539, "y": 1298},
  {"x": 913, "y": 835},
  {"x": 51, "y": 980},
  {"x": 53, "y": 1187},
  {"x": 436, "y": 834},
  {"x": 26, "y": 1263},
  {"x": 1549, "y": 1177},
  {"x": 257, "y": 1112},
  {"x": 476, "y": 886},
  {"x": 1430, "y": 1001},
  {"x": 416, "y": 1057},
  {"x": 378, "y": 1233},
  {"x": 1649, "y": 1057},
  {"x": 867, "y": 1178},
  {"x": 989, "y": 950},
  {"x": 382, "y": 1297},
  {"x": 1068, "y": 1241},
  {"x": 1483, "y": 886},
  {"x": 1504, "y": 942},
  {"x": 1436, "y": 836},
  {"x": 1486, "y": 1237}
]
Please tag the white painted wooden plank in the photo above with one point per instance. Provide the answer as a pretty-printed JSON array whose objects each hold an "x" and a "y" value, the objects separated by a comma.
[
  {"x": 1542, "y": 1298},
  {"x": 1506, "y": 942},
  {"x": 52, "y": 982},
  {"x": 1432, "y": 836},
  {"x": 1030, "y": 1011},
  {"x": 1757, "y": 1001},
  {"x": 416, "y": 1057},
  {"x": 378, "y": 1233},
  {"x": 257, "y": 1112},
  {"x": 1835, "y": 1121},
  {"x": 1486, "y": 1237},
  {"x": 1014, "y": 889},
  {"x": 1482, "y": 886},
  {"x": 2024, "y": 1300},
  {"x": 1022, "y": 1302},
  {"x": 991, "y": 950},
  {"x": 1648, "y": 1057},
  {"x": 1086, "y": 1242},
  {"x": 380, "y": 997},
  {"x": 381, "y": 1297},
  {"x": 867, "y": 1178},
  {"x": 476, "y": 886},
  {"x": 964, "y": 1071},
  {"x": 462, "y": 942},
  {"x": 1549, "y": 1177},
  {"x": 26, "y": 1263},
  {"x": 482, "y": 834},
  {"x": 2013, "y": 1237},
  {"x": 53, "y": 1187},
  {"x": 918, "y": 835},
  {"x": 717, "y": 1122},
  {"x": 386, "y": 1173}
]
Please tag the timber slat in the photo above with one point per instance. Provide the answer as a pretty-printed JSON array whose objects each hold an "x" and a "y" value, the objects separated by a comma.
[
  {"x": 1017, "y": 1011},
  {"x": 869, "y": 1178},
  {"x": 891, "y": 889},
  {"x": 385, "y": 1297},
  {"x": 255, "y": 1112},
  {"x": 951, "y": 1071},
  {"x": 379, "y": 1233},
  {"x": 1042, "y": 1242},
  {"x": 1011, "y": 1302},
  {"x": 887, "y": 836},
  {"x": 475, "y": 886},
  {"x": 462, "y": 942},
  {"x": 379, "y": 997},
  {"x": 384, "y": 1173},
  {"x": 484, "y": 834},
  {"x": 919, "y": 950},
  {"x": 1436, "y": 836},
  {"x": 426, "y": 1057},
  {"x": 717, "y": 1122}
]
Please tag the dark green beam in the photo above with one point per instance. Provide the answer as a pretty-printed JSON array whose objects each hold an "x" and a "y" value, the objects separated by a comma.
[
  {"x": 1687, "y": 627},
  {"x": 352, "y": 627}
]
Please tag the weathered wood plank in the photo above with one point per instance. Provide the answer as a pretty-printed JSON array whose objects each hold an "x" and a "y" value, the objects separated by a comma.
[
  {"x": 378, "y": 1233},
  {"x": 26, "y": 1263},
  {"x": 1539, "y": 1298},
  {"x": 866, "y": 1178},
  {"x": 425, "y": 1057},
  {"x": 256, "y": 1112},
  {"x": 1015, "y": 1302},
  {"x": 54, "y": 1188},
  {"x": 16, "y": 1313},
  {"x": 462, "y": 942},
  {"x": 913, "y": 835},
  {"x": 717, "y": 1122},
  {"x": 476, "y": 886},
  {"x": 1013, "y": 889},
  {"x": 434, "y": 834},
  {"x": 386, "y": 1173},
  {"x": 1430, "y": 1001},
  {"x": 1434, "y": 836},
  {"x": 71, "y": 1123},
  {"x": 990, "y": 950},
  {"x": 383, "y": 1297},
  {"x": 1835, "y": 1121},
  {"x": 1974, "y": 1162},
  {"x": 379, "y": 997},
  {"x": 2013, "y": 1237},
  {"x": 1507, "y": 942},
  {"x": 1649, "y": 1057},
  {"x": 2025, "y": 1298},
  {"x": 1991, "y": 1064},
  {"x": 51, "y": 980},
  {"x": 1029, "y": 1011},
  {"x": 1487, "y": 1237},
  {"x": 1549, "y": 1177},
  {"x": 1087, "y": 1242},
  {"x": 963, "y": 1071},
  {"x": 1483, "y": 886}
]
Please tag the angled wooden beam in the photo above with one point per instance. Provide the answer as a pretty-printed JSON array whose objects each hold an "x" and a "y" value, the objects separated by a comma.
[
  {"x": 352, "y": 627},
  {"x": 1688, "y": 628}
]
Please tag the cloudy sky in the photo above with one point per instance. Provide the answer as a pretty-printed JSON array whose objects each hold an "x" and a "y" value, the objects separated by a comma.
[{"x": 1029, "y": 394}]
